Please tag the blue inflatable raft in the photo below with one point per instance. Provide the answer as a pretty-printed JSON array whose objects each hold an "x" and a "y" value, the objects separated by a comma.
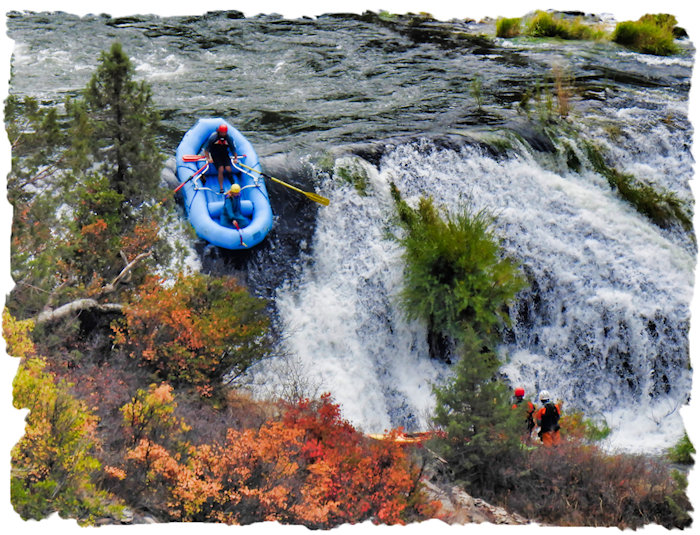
[{"x": 202, "y": 199}]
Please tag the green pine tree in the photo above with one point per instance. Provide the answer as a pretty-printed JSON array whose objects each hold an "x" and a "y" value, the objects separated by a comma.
[
  {"x": 482, "y": 432},
  {"x": 99, "y": 163},
  {"x": 117, "y": 122}
]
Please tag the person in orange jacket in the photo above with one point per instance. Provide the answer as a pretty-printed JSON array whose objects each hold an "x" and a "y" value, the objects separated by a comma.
[
  {"x": 528, "y": 408},
  {"x": 548, "y": 420}
]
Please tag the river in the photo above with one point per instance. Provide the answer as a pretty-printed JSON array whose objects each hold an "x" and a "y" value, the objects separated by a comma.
[{"x": 442, "y": 111}]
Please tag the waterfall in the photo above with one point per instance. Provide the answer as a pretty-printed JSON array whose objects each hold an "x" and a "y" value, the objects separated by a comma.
[
  {"x": 342, "y": 321},
  {"x": 603, "y": 325}
]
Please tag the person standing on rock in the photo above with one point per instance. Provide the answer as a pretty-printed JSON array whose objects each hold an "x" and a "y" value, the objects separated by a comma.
[
  {"x": 528, "y": 408},
  {"x": 547, "y": 417}
]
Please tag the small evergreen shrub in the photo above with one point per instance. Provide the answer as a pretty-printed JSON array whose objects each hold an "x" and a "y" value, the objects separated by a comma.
[
  {"x": 456, "y": 278},
  {"x": 508, "y": 28},
  {"x": 480, "y": 433}
]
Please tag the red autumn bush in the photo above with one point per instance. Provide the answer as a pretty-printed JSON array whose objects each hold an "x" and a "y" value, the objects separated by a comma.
[
  {"x": 353, "y": 478},
  {"x": 311, "y": 468}
]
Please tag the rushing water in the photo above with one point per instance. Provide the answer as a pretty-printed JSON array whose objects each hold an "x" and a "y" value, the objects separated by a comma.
[{"x": 438, "y": 110}]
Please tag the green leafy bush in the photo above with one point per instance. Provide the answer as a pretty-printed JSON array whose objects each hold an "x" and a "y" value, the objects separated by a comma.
[
  {"x": 651, "y": 34},
  {"x": 682, "y": 452},
  {"x": 456, "y": 278},
  {"x": 508, "y": 28}
]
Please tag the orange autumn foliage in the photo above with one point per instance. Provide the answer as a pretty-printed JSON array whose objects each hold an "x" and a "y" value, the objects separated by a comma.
[
  {"x": 149, "y": 415},
  {"x": 310, "y": 468},
  {"x": 195, "y": 331},
  {"x": 143, "y": 237}
]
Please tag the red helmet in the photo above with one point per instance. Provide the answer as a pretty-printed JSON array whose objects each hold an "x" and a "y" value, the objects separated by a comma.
[
  {"x": 519, "y": 392},
  {"x": 222, "y": 129}
]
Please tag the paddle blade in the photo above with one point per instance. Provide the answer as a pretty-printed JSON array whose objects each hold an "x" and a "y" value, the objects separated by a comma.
[
  {"x": 193, "y": 157},
  {"x": 317, "y": 198}
]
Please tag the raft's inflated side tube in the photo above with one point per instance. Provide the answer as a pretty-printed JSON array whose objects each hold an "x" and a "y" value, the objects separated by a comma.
[{"x": 204, "y": 203}]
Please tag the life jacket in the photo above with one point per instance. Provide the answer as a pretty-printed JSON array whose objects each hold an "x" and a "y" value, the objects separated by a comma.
[
  {"x": 548, "y": 417},
  {"x": 218, "y": 147}
]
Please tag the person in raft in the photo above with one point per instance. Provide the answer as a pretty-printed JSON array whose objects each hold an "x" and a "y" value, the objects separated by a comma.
[
  {"x": 231, "y": 213},
  {"x": 528, "y": 409},
  {"x": 548, "y": 420},
  {"x": 217, "y": 151}
]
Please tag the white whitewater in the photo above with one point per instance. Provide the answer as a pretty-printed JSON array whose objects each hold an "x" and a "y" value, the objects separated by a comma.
[
  {"x": 607, "y": 323},
  {"x": 604, "y": 326},
  {"x": 344, "y": 328}
]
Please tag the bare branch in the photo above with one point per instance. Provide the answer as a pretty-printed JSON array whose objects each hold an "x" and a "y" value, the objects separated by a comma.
[
  {"x": 44, "y": 173},
  {"x": 75, "y": 307},
  {"x": 80, "y": 305},
  {"x": 124, "y": 272}
]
